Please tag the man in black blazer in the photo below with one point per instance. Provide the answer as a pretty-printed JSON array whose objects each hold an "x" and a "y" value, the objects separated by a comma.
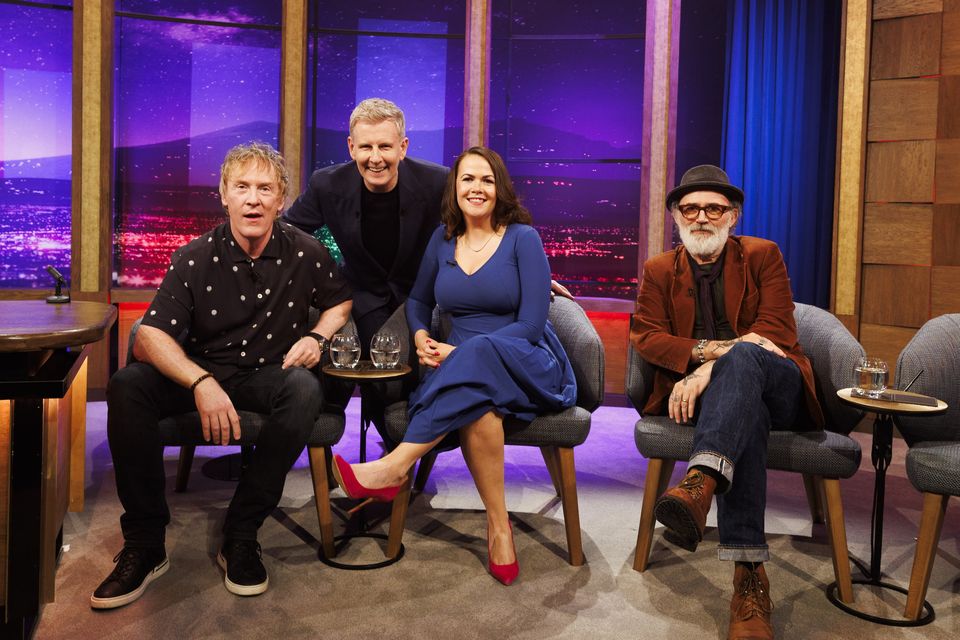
[{"x": 381, "y": 209}]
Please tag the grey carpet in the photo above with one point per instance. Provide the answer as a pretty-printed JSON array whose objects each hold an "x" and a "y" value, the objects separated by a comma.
[{"x": 440, "y": 589}]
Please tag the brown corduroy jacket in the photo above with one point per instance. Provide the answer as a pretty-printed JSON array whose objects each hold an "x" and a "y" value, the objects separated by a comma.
[{"x": 757, "y": 298}]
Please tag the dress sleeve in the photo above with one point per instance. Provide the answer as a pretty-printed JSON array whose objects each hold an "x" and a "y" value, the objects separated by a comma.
[
  {"x": 534, "y": 273},
  {"x": 306, "y": 213},
  {"x": 421, "y": 301}
]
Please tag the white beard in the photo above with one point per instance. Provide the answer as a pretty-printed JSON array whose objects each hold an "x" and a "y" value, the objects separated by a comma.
[{"x": 703, "y": 247}]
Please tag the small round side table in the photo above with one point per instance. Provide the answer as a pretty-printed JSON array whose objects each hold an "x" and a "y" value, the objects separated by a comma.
[
  {"x": 881, "y": 452},
  {"x": 363, "y": 374}
]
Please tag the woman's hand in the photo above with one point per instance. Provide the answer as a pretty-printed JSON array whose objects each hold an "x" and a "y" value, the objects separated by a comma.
[{"x": 430, "y": 352}]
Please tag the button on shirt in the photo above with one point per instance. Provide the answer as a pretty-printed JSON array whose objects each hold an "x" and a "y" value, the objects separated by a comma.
[{"x": 235, "y": 312}]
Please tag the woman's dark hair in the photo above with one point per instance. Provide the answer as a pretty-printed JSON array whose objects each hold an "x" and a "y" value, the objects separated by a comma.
[{"x": 508, "y": 209}]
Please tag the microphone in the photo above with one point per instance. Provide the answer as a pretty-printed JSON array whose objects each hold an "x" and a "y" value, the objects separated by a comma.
[
  {"x": 57, "y": 297},
  {"x": 452, "y": 263}
]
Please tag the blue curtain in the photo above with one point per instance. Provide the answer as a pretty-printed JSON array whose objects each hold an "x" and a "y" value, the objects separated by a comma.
[{"x": 779, "y": 130}]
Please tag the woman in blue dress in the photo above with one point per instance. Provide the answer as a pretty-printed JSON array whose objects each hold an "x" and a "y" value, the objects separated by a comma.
[{"x": 486, "y": 267}]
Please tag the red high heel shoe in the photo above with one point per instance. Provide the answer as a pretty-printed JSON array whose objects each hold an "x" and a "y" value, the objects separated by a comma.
[
  {"x": 504, "y": 573},
  {"x": 343, "y": 472}
]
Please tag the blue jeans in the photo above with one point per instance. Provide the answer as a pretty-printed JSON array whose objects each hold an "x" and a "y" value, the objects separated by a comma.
[
  {"x": 751, "y": 390},
  {"x": 139, "y": 396}
]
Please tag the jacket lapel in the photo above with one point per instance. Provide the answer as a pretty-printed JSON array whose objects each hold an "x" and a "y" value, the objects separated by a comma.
[
  {"x": 683, "y": 295},
  {"x": 734, "y": 281},
  {"x": 411, "y": 214}
]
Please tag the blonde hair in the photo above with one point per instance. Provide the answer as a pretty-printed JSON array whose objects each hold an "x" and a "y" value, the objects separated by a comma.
[
  {"x": 377, "y": 110},
  {"x": 261, "y": 153}
]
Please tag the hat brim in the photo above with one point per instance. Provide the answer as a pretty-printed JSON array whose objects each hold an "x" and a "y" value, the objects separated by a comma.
[{"x": 731, "y": 192}]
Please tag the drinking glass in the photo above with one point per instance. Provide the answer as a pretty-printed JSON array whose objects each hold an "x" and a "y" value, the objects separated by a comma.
[
  {"x": 345, "y": 350},
  {"x": 385, "y": 350},
  {"x": 870, "y": 377}
]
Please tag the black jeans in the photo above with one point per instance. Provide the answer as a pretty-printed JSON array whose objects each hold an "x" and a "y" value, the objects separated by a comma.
[{"x": 139, "y": 396}]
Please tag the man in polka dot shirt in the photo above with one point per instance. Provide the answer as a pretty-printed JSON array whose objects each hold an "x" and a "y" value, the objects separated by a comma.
[{"x": 227, "y": 330}]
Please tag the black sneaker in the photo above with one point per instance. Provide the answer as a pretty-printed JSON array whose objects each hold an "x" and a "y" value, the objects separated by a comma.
[
  {"x": 136, "y": 568},
  {"x": 244, "y": 573}
]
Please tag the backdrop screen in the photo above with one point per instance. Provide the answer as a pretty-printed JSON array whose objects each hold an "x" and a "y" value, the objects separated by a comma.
[
  {"x": 187, "y": 89},
  {"x": 565, "y": 99},
  {"x": 35, "y": 144}
]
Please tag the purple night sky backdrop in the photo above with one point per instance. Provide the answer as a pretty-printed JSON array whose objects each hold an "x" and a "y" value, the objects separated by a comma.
[{"x": 565, "y": 113}]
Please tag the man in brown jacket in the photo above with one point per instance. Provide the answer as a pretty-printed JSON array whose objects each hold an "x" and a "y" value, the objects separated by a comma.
[{"x": 715, "y": 317}]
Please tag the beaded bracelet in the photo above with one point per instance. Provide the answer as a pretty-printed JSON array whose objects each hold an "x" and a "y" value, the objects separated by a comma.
[{"x": 200, "y": 379}]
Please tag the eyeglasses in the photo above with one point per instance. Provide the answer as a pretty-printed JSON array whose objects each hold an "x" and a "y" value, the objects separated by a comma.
[{"x": 713, "y": 211}]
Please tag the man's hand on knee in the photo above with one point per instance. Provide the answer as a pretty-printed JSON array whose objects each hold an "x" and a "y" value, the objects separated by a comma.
[
  {"x": 217, "y": 414},
  {"x": 765, "y": 343}
]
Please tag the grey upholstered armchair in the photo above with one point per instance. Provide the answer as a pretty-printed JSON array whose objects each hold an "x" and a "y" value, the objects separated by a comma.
[
  {"x": 823, "y": 457},
  {"x": 555, "y": 434},
  {"x": 933, "y": 460},
  {"x": 184, "y": 431}
]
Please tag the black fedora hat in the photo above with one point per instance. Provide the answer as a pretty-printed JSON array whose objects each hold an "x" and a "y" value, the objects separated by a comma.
[{"x": 705, "y": 177}]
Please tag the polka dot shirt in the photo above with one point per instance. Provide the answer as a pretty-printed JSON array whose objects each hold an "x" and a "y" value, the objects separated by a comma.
[{"x": 234, "y": 312}]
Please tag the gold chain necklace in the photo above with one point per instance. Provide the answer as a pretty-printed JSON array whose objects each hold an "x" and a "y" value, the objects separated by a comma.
[{"x": 482, "y": 247}]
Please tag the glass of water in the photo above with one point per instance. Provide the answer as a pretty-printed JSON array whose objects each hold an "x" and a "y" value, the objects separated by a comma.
[
  {"x": 870, "y": 377},
  {"x": 385, "y": 350},
  {"x": 345, "y": 350}
]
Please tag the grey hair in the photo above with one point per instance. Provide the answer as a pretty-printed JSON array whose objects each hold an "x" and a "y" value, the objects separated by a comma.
[{"x": 377, "y": 110}]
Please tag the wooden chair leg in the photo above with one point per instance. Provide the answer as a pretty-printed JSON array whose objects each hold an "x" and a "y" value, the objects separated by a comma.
[
  {"x": 424, "y": 469},
  {"x": 812, "y": 487},
  {"x": 931, "y": 522},
  {"x": 658, "y": 476},
  {"x": 183, "y": 468},
  {"x": 568, "y": 498},
  {"x": 321, "y": 494},
  {"x": 398, "y": 519},
  {"x": 837, "y": 531},
  {"x": 553, "y": 467}
]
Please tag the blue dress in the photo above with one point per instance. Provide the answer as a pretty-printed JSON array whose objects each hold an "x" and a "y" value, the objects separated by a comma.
[{"x": 507, "y": 357}]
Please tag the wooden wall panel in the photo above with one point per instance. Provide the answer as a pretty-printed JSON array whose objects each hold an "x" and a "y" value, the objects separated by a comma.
[
  {"x": 898, "y": 234},
  {"x": 944, "y": 291},
  {"x": 948, "y": 171},
  {"x": 906, "y": 47},
  {"x": 948, "y": 116},
  {"x": 884, "y": 299},
  {"x": 950, "y": 56},
  {"x": 883, "y": 9},
  {"x": 6, "y": 414},
  {"x": 885, "y": 342},
  {"x": 900, "y": 171},
  {"x": 614, "y": 330},
  {"x": 903, "y": 109},
  {"x": 129, "y": 313},
  {"x": 946, "y": 235}
]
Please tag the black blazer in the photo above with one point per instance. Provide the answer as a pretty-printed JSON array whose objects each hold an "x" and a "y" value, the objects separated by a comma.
[{"x": 332, "y": 198}]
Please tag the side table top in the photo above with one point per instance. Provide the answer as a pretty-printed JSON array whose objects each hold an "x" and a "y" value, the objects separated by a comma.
[
  {"x": 887, "y": 406},
  {"x": 35, "y": 325},
  {"x": 366, "y": 371}
]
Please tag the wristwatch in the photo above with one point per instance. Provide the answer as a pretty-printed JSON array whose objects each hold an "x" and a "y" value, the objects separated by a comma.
[
  {"x": 321, "y": 341},
  {"x": 700, "y": 345}
]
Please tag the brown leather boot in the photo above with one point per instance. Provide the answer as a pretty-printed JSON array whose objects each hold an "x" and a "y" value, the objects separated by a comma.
[
  {"x": 683, "y": 509},
  {"x": 751, "y": 606}
]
